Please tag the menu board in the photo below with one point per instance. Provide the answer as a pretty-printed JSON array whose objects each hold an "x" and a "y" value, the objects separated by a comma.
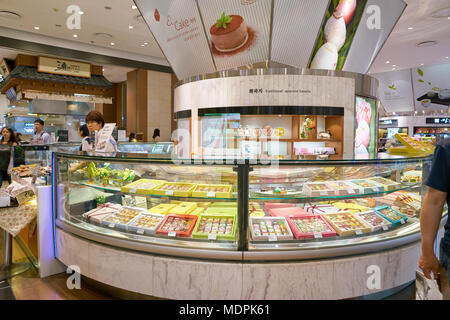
[
  {"x": 365, "y": 134},
  {"x": 238, "y": 31},
  {"x": 177, "y": 27}
]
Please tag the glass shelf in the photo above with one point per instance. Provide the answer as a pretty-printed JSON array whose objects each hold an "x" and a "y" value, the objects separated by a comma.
[{"x": 118, "y": 190}]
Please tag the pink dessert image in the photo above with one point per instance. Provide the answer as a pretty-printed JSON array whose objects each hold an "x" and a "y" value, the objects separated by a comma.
[{"x": 229, "y": 34}]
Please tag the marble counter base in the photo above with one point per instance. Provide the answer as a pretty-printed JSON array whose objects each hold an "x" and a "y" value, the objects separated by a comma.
[{"x": 177, "y": 278}]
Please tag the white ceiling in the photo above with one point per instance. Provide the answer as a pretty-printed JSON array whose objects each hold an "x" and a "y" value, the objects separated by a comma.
[
  {"x": 400, "y": 48},
  {"x": 46, "y": 14}
]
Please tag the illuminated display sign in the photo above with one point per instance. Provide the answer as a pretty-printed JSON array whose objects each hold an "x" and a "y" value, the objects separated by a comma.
[
  {"x": 389, "y": 122},
  {"x": 438, "y": 121}
]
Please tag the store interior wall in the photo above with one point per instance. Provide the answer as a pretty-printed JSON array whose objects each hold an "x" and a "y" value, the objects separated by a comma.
[
  {"x": 159, "y": 104},
  {"x": 3, "y": 108}
]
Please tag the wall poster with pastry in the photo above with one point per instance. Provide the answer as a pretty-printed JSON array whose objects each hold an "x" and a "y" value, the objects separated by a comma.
[{"x": 366, "y": 127}]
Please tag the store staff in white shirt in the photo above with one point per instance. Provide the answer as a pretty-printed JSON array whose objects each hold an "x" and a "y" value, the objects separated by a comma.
[
  {"x": 40, "y": 137},
  {"x": 95, "y": 122}
]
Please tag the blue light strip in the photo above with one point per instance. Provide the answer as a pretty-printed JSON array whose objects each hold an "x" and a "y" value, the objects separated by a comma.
[{"x": 53, "y": 203}]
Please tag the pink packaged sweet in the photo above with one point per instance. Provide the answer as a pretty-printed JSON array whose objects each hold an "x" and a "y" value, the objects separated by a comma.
[
  {"x": 318, "y": 189},
  {"x": 310, "y": 226},
  {"x": 287, "y": 212},
  {"x": 274, "y": 205},
  {"x": 320, "y": 208}
]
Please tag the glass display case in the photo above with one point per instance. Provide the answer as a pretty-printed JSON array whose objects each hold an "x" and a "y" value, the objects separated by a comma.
[{"x": 240, "y": 209}]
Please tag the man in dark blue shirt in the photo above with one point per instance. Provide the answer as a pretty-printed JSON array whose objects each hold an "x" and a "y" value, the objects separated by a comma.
[{"x": 438, "y": 193}]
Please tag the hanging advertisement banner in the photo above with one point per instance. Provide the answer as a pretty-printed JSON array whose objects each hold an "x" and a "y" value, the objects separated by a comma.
[
  {"x": 177, "y": 27},
  {"x": 431, "y": 87},
  {"x": 395, "y": 90}
]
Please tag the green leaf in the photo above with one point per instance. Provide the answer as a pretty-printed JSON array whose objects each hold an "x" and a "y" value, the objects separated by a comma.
[
  {"x": 420, "y": 72},
  {"x": 429, "y": 83},
  {"x": 420, "y": 80}
]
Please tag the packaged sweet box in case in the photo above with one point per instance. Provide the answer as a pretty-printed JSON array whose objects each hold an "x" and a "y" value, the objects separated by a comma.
[
  {"x": 163, "y": 208},
  {"x": 270, "y": 229},
  {"x": 392, "y": 215},
  {"x": 387, "y": 184},
  {"x": 367, "y": 186},
  {"x": 220, "y": 227},
  {"x": 102, "y": 212},
  {"x": 318, "y": 189},
  {"x": 373, "y": 219},
  {"x": 177, "y": 225},
  {"x": 5, "y": 199},
  {"x": 145, "y": 223},
  {"x": 184, "y": 208},
  {"x": 143, "y": 186},
  {"x": 343, "y": 188},
  {"x": 121, "y": 218},
  {"x": 316, "y": 208},
  {"x": 178, "y": 189},
  {"x": 212, "y": 191},
  {"x": 345, "y": 223},
  {"x": 286, "y": 212},
  {"x": 310, "y": 226},
  {"x": 350, "y": 206}
]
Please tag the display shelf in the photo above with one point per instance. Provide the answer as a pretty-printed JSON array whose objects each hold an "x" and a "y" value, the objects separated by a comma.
[{"x": 118, "y": 191}]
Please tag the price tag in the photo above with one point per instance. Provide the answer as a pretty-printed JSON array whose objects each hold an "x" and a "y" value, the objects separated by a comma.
[
  {"x": 140, "y": 231},
  {"x": 172, "y": 234},
  {"x": 402, "y": 221},
  {"x": 317, "y": 235},
  {"x": 385, "y": 228},
  {"x": 358, "y": 232},
  {"x": 132, "y": 190},
  {"x": 212, "y": 236},
  {"x": 211, "y": 194},
  {"x": 169, "y": 193},
  {"x": 324, "y": 193},
  {"x": 273, "y": 238},
  {"x": 112, "y": 225}
]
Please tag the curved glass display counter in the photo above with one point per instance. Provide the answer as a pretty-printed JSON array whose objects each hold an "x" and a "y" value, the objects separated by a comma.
[
  {"x": 278, "y": 211},
  {"x": 239, "y": 225}
]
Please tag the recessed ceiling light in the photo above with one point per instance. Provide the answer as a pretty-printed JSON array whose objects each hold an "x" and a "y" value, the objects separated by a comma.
[
  {"x": 112, "y": 43},
  {"x": 133, "y": 7},
  {"x": 130, "y": 27},
  {"x": 421, "y": 64},
  {"x": 388, "y": 61},
  {"x": 394, "y": 65},
  {"x": 426, "y": 44},
  {"x": 36, "y": 28},
  {"x": 108, "y": 8},
  {"x": 146, "y": 43},
  {"x": 103, "y": 69},
  {"x": 75, "y": 36},
  {"x": 394, "y": 68},
  {"x": 58, "y": 25},
  {"x": 410, "y": 28},
  {"x": 142, "y": 45},
  {"x": 446, "y": 57},
  {"x": 81, "y": 12}
]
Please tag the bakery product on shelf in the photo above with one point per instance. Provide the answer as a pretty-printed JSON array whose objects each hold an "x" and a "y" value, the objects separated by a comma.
[
  {"x": 102, "y": 212},
  {"x": 310, "y": 226},
  {"x": 270, "y": 228},
  {"x": 121, "y": 218},
  {"x": 177, "y": 225},
  {"x": 286, "y": 212},
  {"x": 229, "y": 33},
  {"x": 390, "y": 214},
  {"x": 374, "y": 220},
  {"x": 215, "y": 225},
  {"x": 212, "y": 191},
  {"x": 346, "y": 223},
  {"x": 145, "y": 223}
]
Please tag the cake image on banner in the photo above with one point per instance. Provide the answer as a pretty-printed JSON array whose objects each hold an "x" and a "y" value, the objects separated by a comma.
[
  {"x": 365, "y": 134},
  {"x": 432, "y": 87},
  {"x": 336, "y": 35},
  {"x": 238, "y": 31}
]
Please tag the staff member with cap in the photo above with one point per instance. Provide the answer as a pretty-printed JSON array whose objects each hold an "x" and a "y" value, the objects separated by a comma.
[{"x": 40, "y": 137}]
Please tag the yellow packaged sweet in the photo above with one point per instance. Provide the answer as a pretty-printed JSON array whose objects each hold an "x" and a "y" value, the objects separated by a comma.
[
  {"x": 143, "y": 186},
  {"x": 203, "y": 204},
  {"x": 212, "y": 191},
  {"x": 163, "y": 208},
  {"x": 178, "y": 189},
  {"x": 184, "y": 208},
  {"x": 350, "y": 207},
  {"x": 221, "y": 210},
  {"x": 197, "y": 211},
  {"x": 257, "y": 213},
  {"x": 223, "y": 205}
]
